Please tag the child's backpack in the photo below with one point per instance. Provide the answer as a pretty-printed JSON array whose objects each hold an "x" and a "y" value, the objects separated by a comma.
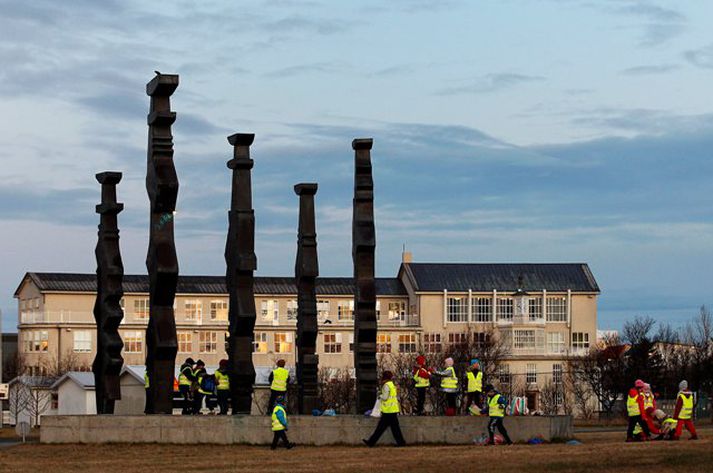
[{"x": 208, "y": 383}]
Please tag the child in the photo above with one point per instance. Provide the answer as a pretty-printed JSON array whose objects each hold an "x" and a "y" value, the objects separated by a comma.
[
  {"x": 279, "y": 424},
  {"x": 496, "y": 411},
  {"x": 649, "y": 408},
  {"x": 421, "y": 378},
  {"x": 684, "y": 412},
  {"x": 449, "y": 386},
  {"x": 636, "y": 412},
  {"x": 474, "y": 388}
]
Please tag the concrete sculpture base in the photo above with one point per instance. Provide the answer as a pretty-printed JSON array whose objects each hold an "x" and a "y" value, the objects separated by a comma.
[{"x": 304, "y": 430}]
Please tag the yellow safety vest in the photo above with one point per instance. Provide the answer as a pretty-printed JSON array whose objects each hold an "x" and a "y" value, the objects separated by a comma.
[
  {"x": 668, "y": 424},
  {"x": 183, "y": 379},
  {"x": 475, "y": 383},
  {"x": 450, "y": 381},
  {"x": 146, "y": 380},
  {"x": 648, "y": 400},
  {"x": 632, "y": 406},
  {"x": 495, "y": 409},
  {"x": 279, "y": 379},
  {"x": 391, "y": 405},
  {"x": 421, "y": 382},
  {"x": 276, "y": 424},
  {"x": 223, "y": 381},
  {"x": 686, "y": 411}
]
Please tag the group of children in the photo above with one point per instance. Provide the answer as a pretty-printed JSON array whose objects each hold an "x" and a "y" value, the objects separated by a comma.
[
  {"x": 450, "y": 386},
  {"x": 195, "y": 384},
  {"x": 647, "y": 422}
]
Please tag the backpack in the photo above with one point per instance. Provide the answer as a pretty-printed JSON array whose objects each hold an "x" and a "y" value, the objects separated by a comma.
[{"x": 208, "y": 383}]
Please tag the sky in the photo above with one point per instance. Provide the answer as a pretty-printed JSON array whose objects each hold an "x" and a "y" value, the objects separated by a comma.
[{"x": 504, "y": 131}]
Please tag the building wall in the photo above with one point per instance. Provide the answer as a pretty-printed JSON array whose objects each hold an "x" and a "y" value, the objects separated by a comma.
[{"x": 73, "y": 399}]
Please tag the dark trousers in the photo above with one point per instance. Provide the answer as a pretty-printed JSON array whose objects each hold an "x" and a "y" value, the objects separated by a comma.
[
  {"x": 223, "y": 395},
  {"x": 386, "y": 421},
  {"x": 420, "y": 400},
  {"x": 273, "y": 397},
  {"x": 279, "y": 435},
  {"x": 451, "y": 400},
  {"x": 497, "y": 423},
  {"x": 148, "y": 406},
  {"x": 633, "y": 420},
  {"x": 472, "y": 398},
  {"x": 197, "y": 402},
  {"x": 185, "y": 390}
]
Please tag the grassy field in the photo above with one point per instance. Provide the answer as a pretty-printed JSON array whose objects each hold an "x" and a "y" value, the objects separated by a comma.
[{"x": 600, "y": 452}]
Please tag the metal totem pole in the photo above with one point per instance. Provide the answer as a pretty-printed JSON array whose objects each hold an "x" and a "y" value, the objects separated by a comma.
[
  {"x": 306, "y": 271},
  {"x": 161, "y": 260},
  {"x": 241, "y": 262},
  {"x": 363, "y": 249},
  {"x": 107, "y": 310}
]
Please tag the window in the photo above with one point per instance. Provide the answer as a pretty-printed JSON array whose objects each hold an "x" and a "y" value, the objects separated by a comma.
[
  {"x": 345, "y": 310},
  {"x": 505, "y": 308},
  {"x": 481, "y": 339},
  {"x": 407, "y": 343},
  {"x": 292, "y": 309},
  {"x": 504, "y": 374},
  {"x": 535, "y": 307},
  {"x": 351, "y": 342},
  {"x": 36, "y": 341},
  {"x": 557, "y": 373},
  {"x": 557, "y": 309},
  {"x": 332, "y": 343},
  {"x": 580, "y": 341},
  {"x": 378, "y": 310},
  {"x": 524, "y": 339},
  {"x": 260, "y": 342},
  {"x": 482, "y": 309},
  {"x": 141, "y": 308},
  {"x": 432, "y": 342},
  {"x": 397, "y": 310},
  {"x": 383, "y": 343},
  {"x": 283, "y": 342},
  {"x": 185, "y": 342},
  {"x": 458, "y": 341},
  {"x": 219, "y": 310},
  {"x": 457, "y": 309},
  {"x": 531, "y": 373},
  {"x": 322, "y": 309},
  {"x": 555, "y": 342},
  {"x": 208, "y": 342},
  {"x": 82, "y": 341},
  {"x": 133, "y": 342},
  {"x": 269, "y": 310},
  {"x": 193, "y": 309}
]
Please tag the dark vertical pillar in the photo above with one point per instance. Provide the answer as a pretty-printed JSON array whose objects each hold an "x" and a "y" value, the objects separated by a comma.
[
  {"x": 107, "y": 309},
  {"x": 306, "y": 272},
  {"x": 161, "y": 260},
  {"x": 363, "y": 249},
  {"x": 241, "y": 262}
]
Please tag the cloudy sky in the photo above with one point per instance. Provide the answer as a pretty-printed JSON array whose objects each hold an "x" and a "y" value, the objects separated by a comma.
[{"x": 504, "y": 131}]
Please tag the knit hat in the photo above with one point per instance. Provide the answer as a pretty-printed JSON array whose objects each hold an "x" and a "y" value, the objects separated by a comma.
[
  {"x": 639, "y": 383},
  {"x": 683, "y": 385},
  {"x": 421, "y": 360},
  {"x": 474, "y": 361},
  {"x": 449, "y": 361},
  {"x": 647, "y": 387}
]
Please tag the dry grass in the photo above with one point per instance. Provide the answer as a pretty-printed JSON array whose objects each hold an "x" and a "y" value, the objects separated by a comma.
[{"x": 601, "y": 452}]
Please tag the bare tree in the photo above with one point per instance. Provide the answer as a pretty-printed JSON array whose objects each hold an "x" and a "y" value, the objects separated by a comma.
[{"x": 337, "y": 390}]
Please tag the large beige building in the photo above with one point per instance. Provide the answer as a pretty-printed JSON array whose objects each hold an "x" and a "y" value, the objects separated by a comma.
[{"x": 425, "y": 308}]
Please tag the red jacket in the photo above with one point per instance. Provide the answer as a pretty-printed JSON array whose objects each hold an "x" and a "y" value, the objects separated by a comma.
[{"x": 422, "y": 372}]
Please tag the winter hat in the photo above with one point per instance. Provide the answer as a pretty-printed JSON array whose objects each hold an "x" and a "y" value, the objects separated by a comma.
[
  {"x": 659, "y": 414},
  {"x": 683, "y": 385},
  {"x": 474, "y": 361},
  {"x": 449, "y": 361},
  {"x": 421, "y": 360},
  {"x": 647, "y": 387},
  {"x": 281, "y": 363},
  {"x": 223, "y": 363},
  {"x": 639, "y": 383}
]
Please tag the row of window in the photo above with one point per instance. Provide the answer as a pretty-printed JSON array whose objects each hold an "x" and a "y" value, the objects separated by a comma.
[
  {"x": 531, "y": 373},
  {"x": 482, "y": 308}
]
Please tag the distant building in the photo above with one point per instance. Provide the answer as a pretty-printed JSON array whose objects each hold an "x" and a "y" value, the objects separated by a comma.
[{"x": 9, "y": 356}]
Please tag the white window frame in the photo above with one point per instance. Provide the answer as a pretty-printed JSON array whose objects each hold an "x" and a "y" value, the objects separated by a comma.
[
  {"x": 193, "y": 310},
  {"x": 556, "y": 342},
  {"x": 556, "y": 309},
  {"x": 345, "y": 310},
  {"x": 219, "y": 310},
  {"x": 407, "y": 342},
  {"x": 383, "y": 343},
  {"x": 531, "y": 373},
  {"x": 185, "y": 339},
  {"x": 82, "y": 341},
  {"x": 332, "y": 343},
  {"x": 142, "y": 308},
  {"x": 207, "y": 342},
  {"x": 261, "y": 342},
  {"x": 283, "y": 346},
  {"x": 133, "y": 341},
  {"x": 457, "y": 309},
  {"x": 506, "y": 308},
  {"x": 482, "y": 308},
  {"x": 292, "y": 309}
]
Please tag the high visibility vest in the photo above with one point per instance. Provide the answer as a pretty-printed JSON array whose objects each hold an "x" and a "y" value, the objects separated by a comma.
[
  {"x": 686, "y": 411},
  {"x": 648, "y": 401},
  {"x": 632, "y": 406},
  {"x": 421, "y": 382},
  {"x": 223, "y": 381},
  {"x": 279, "y": 379},
  {"x": 146, "y": 380},
  {"x": 182, "y": 378},
  {"x": 668, "y": 425},
  {"x": 475, "y": 382},
  {"x": 391, "y": 405},
  {"x": 494, "y": 408},
  {"x": 450, "y": 381},
  {"x": 276, "y": 424}
]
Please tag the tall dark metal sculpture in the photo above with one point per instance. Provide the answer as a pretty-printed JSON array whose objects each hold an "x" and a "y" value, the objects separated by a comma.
[
  {"x": 241, "y": 262},
  {"x": 107, "y": 309},
  {"x": 161, "y": 260},
  {"x": 306, "y": 271},
  {"x": 363, "y": 249}
]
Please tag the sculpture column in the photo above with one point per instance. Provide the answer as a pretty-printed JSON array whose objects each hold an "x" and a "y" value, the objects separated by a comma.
[
  {"x": 306, "y": 272},
  {"x": 363, "y": 250},
  {"x": 161, "y": 260},
  {"x": 241, "y": 262},
  {"x": 107, "y": 309}
]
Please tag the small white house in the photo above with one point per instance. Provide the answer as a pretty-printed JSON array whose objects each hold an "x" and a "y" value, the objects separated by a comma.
[
  {"x": 133, "y": 394},
  {"x": 30, "y": 398},
  {"x": 76, "y": 393}
]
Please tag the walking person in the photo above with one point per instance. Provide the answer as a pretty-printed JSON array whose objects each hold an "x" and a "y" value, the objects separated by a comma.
[
  {"x": 449, "y": 386},
  {"x": 495, "y": 409},
  {"x": 636, "y": 412},
  {"x": 421, "y": 377},
  {"x": 474, "y": 388},
  {"x": 185, "y": 380},
  {"x": 279, "y": 378},
  {"x": 222, "y": 382},
  {"x": 684, "y": 412},
  {"x": 279, "y": 424},
  {"x": 389, "y": 413}
]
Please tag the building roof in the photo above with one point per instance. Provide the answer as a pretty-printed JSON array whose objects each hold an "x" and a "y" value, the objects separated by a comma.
[
  {"x": 83, "y": 379},
  {"x": 133, "y": 283},
  {"x": 38, "y": 382},
  {"x": 485, "y": 277}
]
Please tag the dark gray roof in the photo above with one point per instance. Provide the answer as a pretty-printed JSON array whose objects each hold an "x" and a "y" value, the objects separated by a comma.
[
  {"x": 74, "y": 282},
  {"x": 484, "y": 277}
]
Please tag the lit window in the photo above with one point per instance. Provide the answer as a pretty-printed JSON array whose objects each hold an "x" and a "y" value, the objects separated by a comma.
[
  {"x": 292, "y": 309},
  {"x": 269, "y": 310},
  {"x": 185, "y": 342},
  {"x": 580, "y": 341},
  {"x": 505, "y": 308},
  {"x": 193, "y": 309},
  {"x": 535, "y": 308},
  {"x": 141, "y": 308},
  {"x": 82, "y": 341},
  {"x": 397, "y": 310},
  {"x": 133, "y": 342},
  {"x": 219, "y": 310},
  {"x": 36, "y": 341},
  {"x": 457, "y": 309},
  {"x": 283, "y": 342},
  {"x": 432, "y": 343},
  {"x": 345, "y": 310},
  {"x": 332, "y": 343},
  {"x": 483, "y": 309},
  {"x": 208, "y": 342},
  {"x": 407, "y": 343},
  {"x": 383, "y": 343},
  {"x": 556, "y": 309},
  {"x": 260, "y": 342},
  {"x": 322, "y": 309},
  {"x": 531, "y": 373},
  {"x": 555, "y": 342}
]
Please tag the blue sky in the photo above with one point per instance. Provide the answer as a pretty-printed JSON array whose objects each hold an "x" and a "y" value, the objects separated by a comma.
[{"x": 504, "y": 131}]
